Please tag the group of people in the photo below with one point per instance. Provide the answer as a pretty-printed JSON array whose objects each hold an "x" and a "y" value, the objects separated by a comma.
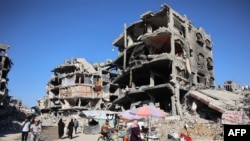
[
  {"x": 31, "y": 125},
  {"x": 133, "y": 132},
  {"x": 73, "y": 124},
  {"x": 34, "y": 126}
]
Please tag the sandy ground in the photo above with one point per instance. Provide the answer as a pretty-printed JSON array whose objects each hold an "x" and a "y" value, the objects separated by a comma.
[{"x": 50, "y": 134}]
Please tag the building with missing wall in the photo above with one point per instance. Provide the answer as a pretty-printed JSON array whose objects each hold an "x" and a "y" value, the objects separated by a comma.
[
  {"x": 162, "y": 56},
  {"x": 77, "y": 85},
  {"x": 5, "y": 67}
]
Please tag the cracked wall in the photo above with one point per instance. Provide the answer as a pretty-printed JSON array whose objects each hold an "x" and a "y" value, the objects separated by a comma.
[{"x": 162, "y": 56}]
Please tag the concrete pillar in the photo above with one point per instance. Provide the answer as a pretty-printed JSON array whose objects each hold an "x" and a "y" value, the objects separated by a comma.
[
  {"x": 125, "y": 47},
  {"x": 152, "y": 81},
  {"x": 172, "y": 53},
  {"x": 152, "y": 98},
  {"x": 79, "y": 103},
  {"x": 177, "y": 100},
  {"x": 131, "y": 83},
  {"x": 173, "y": 106}
]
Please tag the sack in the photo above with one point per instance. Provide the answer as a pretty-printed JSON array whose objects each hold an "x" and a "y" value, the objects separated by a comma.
[{"x": 126, "y": 138}]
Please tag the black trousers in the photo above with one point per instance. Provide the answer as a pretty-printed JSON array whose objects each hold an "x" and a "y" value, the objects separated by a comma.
[
  {"x": 75, "y": 129},
  {"x": 25, "y": 136}
]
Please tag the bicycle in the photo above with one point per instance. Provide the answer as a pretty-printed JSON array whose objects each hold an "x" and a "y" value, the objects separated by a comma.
[
  {"x": 103, "y": 138},
  {"x": 36, "y": 136}
]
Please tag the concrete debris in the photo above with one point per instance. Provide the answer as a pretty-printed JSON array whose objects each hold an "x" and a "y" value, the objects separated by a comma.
[
  {"x": 191, "y": 125},
  {"x": 10, "y": 119}
]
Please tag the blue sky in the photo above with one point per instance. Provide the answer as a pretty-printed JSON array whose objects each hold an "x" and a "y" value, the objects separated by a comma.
[{"x": 43, "y": 33}]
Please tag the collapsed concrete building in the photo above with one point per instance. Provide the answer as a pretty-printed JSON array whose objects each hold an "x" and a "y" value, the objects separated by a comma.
[
  {"x": 77, "y": 85},
  {"x": 5, "y": 66},
  {"x": 163, "y": 60},
  {"x": 9, "y": 107},
  {"x": 162, "y": 57}
]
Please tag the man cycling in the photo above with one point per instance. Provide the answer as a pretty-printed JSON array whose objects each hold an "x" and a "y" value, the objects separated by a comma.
[
  {"x": 36, "y": 130},
  {"x": 105, "y": 129}
]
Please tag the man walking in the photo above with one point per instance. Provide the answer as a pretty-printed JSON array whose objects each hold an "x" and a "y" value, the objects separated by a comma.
[
  {"x": 76, "y": 124},
  {"x": 25, "y": 129}
]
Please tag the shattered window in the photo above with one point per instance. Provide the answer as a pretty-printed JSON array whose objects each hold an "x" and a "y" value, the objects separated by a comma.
[
  {"x": 199, "y": 39},
  {"x": 209, "y": 64},
  {"x": 179, "y": 49}
]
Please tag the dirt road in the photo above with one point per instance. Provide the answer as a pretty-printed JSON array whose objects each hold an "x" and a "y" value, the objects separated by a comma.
[{"x": 50, "y": 134}]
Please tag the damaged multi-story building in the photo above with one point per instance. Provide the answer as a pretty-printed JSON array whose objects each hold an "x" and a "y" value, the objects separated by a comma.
[
  {"x": 77, "y": 85},
  {"x": 163, "y": 56},
  {"x": 163, "y": 60},
  {"x": 5, "y": 67}
]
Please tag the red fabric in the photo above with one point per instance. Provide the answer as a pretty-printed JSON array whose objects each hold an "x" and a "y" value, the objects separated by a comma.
[
  {"x": 187, "y": 138},
  {"x": 125, "y": 138}
]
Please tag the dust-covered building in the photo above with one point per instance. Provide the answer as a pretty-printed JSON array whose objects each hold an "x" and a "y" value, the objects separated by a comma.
[
  {"x": 5, "y": 67},
  {"x": 76, "y": 85},
  {"x": 163, "y": 60},
  {"x": 162, "y": 56}
]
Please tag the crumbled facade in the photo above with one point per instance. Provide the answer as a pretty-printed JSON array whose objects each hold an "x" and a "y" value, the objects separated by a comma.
[
  {"x": 163, "y": 60},
  {"x": 76, "y": 85},
  {"x": 5, "y": 66},
  {"x": 162, "y": 57}
]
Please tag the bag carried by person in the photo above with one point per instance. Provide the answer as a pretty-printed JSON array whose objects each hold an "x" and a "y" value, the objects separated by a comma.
[
  {"x": 126, "y": 138},
  {"x": 127, "y": 135}
]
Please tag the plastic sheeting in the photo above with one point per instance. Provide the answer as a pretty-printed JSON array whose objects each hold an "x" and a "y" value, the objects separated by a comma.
[
  {"x": 96, "y": 129},
  {"x": 98, "y": 114}
]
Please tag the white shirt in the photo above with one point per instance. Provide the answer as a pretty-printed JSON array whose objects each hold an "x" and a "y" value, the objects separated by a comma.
[
  {"x": 26, "y": 126},
  {"x": 35, "y": 128}
]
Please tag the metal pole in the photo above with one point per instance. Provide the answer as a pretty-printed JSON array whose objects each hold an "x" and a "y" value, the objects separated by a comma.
[{"x": 125, "y": 47}]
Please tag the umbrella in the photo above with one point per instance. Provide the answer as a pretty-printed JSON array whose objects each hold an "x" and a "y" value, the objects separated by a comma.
[
  {"x": 149, "y": 111},
  {"x": 129, "y": 116}
]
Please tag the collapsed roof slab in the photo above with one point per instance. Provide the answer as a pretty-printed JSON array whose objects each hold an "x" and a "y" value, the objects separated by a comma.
[
  {"x": 210, "y": 102},
  {"x": 226, "y": 97},
  {"x": 220, "y": 101}
]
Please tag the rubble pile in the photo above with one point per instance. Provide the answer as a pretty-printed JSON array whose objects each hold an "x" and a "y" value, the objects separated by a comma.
[
  {"x": 191, "y": 125},
  {"x": 246, "y": 101},
  {"x": 10, "y": 119}
]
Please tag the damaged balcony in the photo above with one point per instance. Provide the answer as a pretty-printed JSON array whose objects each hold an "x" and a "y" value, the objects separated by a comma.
[
  {"x": 77, "y": 85},
  {"x": 161, "y": 57}
]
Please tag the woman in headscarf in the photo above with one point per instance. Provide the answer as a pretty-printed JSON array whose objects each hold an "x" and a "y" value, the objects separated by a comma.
[
  {"x": 135, "y": 132},
  {"x": 70, "y": 128},
  {"x": 61, "y": 126}
]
